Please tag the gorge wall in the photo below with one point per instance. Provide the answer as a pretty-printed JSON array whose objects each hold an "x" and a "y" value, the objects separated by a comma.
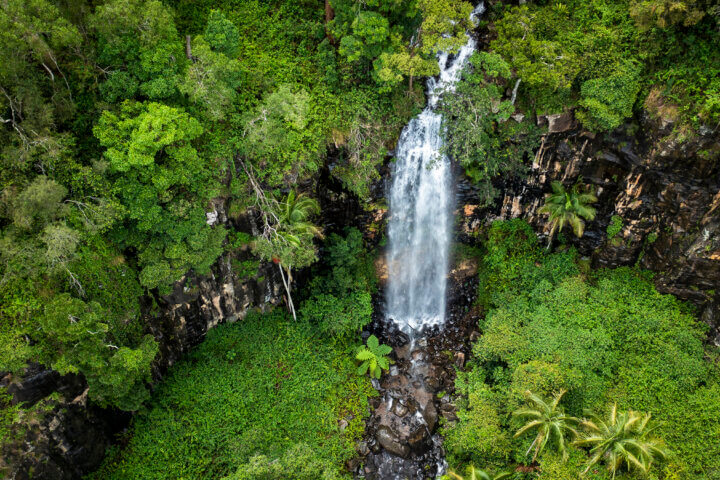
[{"x": 664, "y": 186}]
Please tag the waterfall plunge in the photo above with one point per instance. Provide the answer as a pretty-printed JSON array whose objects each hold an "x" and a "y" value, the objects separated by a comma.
[{"x": 421, "y": 222}]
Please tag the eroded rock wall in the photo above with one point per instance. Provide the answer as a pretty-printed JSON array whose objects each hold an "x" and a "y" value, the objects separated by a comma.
[{"x": 662, "y": 182}]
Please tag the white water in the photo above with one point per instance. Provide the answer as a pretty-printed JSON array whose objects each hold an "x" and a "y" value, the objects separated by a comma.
[{"x": 421, "y": 222}]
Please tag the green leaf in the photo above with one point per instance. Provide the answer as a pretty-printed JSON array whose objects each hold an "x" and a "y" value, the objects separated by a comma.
[{"x": 365, "y": 355}]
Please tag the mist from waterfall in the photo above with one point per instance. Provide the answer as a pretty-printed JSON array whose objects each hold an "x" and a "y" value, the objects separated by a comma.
[{"x": 421, "y": 203}]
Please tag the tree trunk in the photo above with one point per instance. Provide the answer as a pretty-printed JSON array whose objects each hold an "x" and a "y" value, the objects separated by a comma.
[
  {"x": 188, "y": 48},
  {"x": 286, "y": 284},
  {"x": 329, "y": 15},
  {"x": 410, "y": 85},
  {"x": 550, "y": 238}
]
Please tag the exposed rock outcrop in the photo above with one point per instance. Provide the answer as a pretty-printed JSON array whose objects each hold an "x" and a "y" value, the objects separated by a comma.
[{"x": 664, "y": 187}]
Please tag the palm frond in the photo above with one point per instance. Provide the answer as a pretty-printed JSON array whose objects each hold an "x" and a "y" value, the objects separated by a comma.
[
  {"x": 527, "y": 427},
  {"x": 578, "y": 226}
]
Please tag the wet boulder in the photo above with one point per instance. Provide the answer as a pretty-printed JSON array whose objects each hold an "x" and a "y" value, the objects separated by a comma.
[{"x": 391, "y": 441}]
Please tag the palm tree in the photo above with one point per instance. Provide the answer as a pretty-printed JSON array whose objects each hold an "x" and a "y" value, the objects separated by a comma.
[
  {"x": 624, "y": 438},
  {"x": 550, "y": 421},
  {"x": 571, "y": 207},
  {"x": 295, "y": 213},
  {"x": 475, "y": 474},
  {"x": 294, "y": 226}
]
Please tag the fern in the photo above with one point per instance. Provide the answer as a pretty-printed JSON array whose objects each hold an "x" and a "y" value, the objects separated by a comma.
[{"x": 373, "y": 357}]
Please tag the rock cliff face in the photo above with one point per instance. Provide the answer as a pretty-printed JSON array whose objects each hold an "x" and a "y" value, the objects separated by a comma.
[
  {"x": 67, "y": 436},
  {"x": 664, "y": 188}
]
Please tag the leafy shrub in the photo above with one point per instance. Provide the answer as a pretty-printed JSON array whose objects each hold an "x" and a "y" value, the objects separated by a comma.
[
  {"x": 541, "y": 378},
  {"x": 510, "y": 264},
  {"x": 478, "y": 435},
  {"x": 350, "y": 266},
  {"x": 298, "y": 462},
  {"x": 221, "y": 34},
  {"x": 553, "y": 466},
  {"x": 609, "y": 100},
  {"x": 340, "y": 301},
  {"x": 339, "y": 316}
]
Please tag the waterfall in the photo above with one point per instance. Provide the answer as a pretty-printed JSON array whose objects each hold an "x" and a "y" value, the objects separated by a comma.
[{"x": 421, "y": 203}]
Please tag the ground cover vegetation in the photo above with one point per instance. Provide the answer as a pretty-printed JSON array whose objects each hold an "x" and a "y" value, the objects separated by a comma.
[
  {"x": 268, "y": 397},
  {"x": 581, "y": 372},
  {"x": 242, "y": 406}
]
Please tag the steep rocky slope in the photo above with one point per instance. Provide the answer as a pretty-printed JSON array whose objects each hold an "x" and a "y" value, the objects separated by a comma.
[{"x": 664, "y": 187}]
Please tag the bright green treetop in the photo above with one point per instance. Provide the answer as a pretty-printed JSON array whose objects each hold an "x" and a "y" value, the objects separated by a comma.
[
  {"x": 164, "y": 184},
  {"x": 443, "y": 29},
  {"x": 139, "y": 48},
  {"x": 78, "y": 342}
]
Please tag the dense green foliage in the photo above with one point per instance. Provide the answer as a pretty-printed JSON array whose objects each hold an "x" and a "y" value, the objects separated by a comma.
[
  {"x": 299, "y": 463},
  {"x": 240, "y": 401},
  {"x": 125, "y": 125},
  {"x": 264, "y": 399},
  {"x": 339, "y": 298},
  {"x": 606, "y": 337},
  {"x": 478, "y": 130},
  {"x": 376, "y": 32},
  {"x": 604, "y": 59},
  {"x": 163, "y": 183},
  {"x": 604, "y": 56},
  {"x": 117, "y": 138}
]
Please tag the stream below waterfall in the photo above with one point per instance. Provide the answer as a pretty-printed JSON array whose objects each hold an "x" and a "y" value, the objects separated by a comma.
[{"x": 402, "y": 443}]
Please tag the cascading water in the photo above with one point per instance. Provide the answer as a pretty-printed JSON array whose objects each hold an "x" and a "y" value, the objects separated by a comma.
[
  {"x": 420, "y": 224},
  {"x": 402, "y": 444}
]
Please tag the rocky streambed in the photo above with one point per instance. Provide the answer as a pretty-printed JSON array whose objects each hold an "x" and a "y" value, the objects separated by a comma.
[{"x": 401, "y": 437}]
